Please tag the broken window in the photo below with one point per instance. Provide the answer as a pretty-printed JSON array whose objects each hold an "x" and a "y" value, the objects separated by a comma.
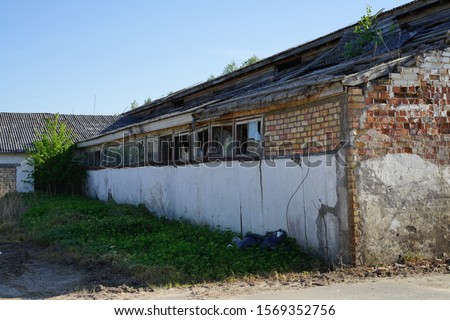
[
  {"x": 85, "y": 158},
  {"x": 182, "y": 148},
  {"x": 248, "y": 137},
  {"x": 112, "y": 155},
  {"x": 152, "y": 149},
  {"x": 221, "y": 144},
  {"x": 131, "y": 154},
  {"x": 178, "y": 103},
  {"x": 201, "y": 143},
  {"x": 289, "y": 65},
  {"x": 165, "y": 150},
  {"x": 96, "y": 158},
  {"x": 141, "y": 152}
]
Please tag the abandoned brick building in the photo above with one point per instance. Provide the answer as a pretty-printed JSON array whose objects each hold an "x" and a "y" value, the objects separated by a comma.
[{"x": 343, "y": 144}]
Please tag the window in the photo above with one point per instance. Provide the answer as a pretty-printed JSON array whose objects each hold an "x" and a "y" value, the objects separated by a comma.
[
  {"x": 91, "y": 158},
  {"x": 182, "y": 148},
  {"x": 248, "y": 136},
  {"x": 165, "y": 150},
  {"x": 141, "y": 152},
  {"x": 178, "y": 103},
  {"x": 286, "y": 66},
  {"x": 201, "y": 143},
  {"x": 85, "y": 158},
  {"x": 152, "y": 149},
  {"x": 112, "y": 155},
  {"x": 221, "y": 144},
  {"x": 96, "y": 158},
  {"x": 131, "y": 154}
]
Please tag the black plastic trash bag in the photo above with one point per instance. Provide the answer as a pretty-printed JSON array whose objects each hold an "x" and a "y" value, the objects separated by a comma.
[
  {"x": 271, "y": 240},
  {"x": 274, "y": 239}
]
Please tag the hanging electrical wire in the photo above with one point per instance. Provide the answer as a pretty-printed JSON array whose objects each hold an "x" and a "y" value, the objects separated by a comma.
[{"x": 292, "y": 196}]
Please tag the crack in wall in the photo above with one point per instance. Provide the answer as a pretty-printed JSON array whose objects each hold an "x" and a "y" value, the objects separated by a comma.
[
  {"x": 240, "y": 215},
  {"x": 261, "y": 187},
  {"x": 304, "y": 219}
]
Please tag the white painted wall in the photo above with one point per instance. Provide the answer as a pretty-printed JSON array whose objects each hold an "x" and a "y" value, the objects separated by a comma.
[
  {"x": 232, "y": 194},
  {"x": 22, "y": 170}
]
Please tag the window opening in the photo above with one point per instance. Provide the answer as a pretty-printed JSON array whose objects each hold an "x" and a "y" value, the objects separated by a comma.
[
  {"x": 165, "y": 149},
  {"x": 248, "y": 136},
  {"x": 182, "y": 148},
  {"x": 221, "y": 144},
  {"x": 201, "y": 143}
]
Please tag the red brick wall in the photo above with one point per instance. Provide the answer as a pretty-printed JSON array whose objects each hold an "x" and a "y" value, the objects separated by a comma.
[
  {"x": 411, "y": 119},
  {"x": 407, "y": 112}
]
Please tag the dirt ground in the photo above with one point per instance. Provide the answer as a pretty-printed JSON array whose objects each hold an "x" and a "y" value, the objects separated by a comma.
[{"x": 27, "y": 272}]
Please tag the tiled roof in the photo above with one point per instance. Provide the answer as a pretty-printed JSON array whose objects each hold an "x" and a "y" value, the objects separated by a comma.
[{"x": 19, "y": 130}]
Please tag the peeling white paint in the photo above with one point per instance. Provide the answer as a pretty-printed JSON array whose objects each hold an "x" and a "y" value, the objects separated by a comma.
[
  {"x": 395, "y": 224},
  {"x": 400, "y": 169},
  {"x": 405, "y": 208}
]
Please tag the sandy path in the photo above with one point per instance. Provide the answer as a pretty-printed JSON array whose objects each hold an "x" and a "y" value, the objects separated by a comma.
[{"x": 26, "y": 274}]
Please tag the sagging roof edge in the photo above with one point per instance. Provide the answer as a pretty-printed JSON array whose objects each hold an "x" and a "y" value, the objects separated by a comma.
[
  {"x": 315, "y": 43},
  {"x": 214, "y": 109},
  {"x": 375, "y": 72},
  {"x": 355, "y": 79},
  {"x": 186, "y": 117},
  {"x": 141, "y": 127}
]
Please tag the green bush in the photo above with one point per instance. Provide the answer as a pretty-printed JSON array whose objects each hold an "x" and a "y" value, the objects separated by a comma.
[{"x": 56, "y": 170}]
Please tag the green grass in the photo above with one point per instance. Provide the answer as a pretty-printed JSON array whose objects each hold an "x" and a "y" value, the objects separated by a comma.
[{"x": 154, "y": 250}]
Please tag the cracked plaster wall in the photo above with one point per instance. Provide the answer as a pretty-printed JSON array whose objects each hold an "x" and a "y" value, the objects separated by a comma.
[{"x": 405, "y": 208}]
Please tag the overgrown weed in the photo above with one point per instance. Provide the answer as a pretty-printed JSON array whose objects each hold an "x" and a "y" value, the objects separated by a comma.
[
  {"x": 148, "y": 250},
  {"x": 12, "y": 207}
]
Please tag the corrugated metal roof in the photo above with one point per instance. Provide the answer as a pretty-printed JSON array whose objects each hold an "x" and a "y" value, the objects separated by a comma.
[{"x": 19, "y": 130}]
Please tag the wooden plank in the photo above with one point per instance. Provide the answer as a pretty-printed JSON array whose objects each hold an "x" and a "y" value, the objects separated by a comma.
[{"x": 373, "y": 73}]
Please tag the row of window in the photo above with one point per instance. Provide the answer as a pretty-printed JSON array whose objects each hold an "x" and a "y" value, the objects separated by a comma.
[{"x": 216, "y": 141}]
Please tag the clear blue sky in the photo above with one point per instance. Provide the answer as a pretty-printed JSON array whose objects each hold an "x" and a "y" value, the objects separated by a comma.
[{"x": 56, "y": 56}]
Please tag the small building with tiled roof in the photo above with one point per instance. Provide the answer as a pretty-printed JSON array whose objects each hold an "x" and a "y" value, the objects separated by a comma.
[{"x": 18, "y": 131}]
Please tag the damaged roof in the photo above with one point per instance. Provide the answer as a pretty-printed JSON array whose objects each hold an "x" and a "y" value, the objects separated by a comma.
[
  {"x": 299, "y": 72},
  {"x": 19, "y": 130}
]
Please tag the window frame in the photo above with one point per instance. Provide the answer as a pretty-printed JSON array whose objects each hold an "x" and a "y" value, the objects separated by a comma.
[
  {"x": 198, "y": 145},
  {"x": 176, "y": 146},
  {"x": 161, "y": 151},
  {"x": 112, "y": 150},
  {"x": 152, "y": 154},
  {"x": 222, "y": 154},
  {"x": 238, "y": 140}
]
